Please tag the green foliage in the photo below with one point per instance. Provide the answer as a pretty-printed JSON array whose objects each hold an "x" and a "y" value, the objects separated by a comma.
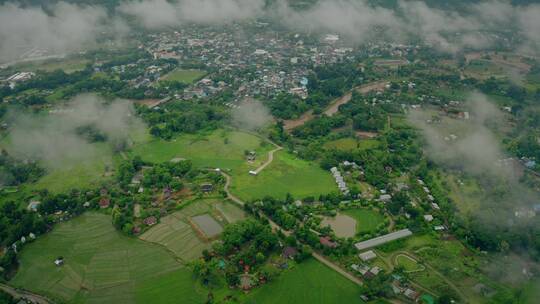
[{"x": 15, "y": 172}]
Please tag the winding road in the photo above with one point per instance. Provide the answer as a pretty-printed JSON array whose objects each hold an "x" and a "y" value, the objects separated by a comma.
[{"x": 276, "y": 227}]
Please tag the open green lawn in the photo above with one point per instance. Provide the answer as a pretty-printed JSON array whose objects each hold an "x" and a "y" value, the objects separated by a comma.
[
  {"x": 366, "y": 220},
  {"x": 309, "y": 282},
  {"x": 185, "y": 76},
  {"x": 218, "y": 149},
  {"x": 286, "y": 174},
  {"x": 102, "y": 266}
]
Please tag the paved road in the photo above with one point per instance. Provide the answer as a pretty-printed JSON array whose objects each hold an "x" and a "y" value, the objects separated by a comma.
[{"x": 23, "y": 294}]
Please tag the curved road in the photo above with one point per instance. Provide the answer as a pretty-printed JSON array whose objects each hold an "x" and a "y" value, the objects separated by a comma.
[{"x": 269, "y": 160}]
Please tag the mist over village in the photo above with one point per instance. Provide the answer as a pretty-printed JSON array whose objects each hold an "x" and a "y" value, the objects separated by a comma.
[{"x": 270, "y": 151}]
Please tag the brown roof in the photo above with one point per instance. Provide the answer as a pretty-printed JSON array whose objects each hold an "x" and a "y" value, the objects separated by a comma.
[
  {"x": 104, "y": 202},
  {"x": 326, "y": 241},
  {"x": 289, "y": 252},
  {"x": 151, "y": 220}
]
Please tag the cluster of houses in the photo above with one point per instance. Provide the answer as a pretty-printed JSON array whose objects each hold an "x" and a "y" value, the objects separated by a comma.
[
  {"x": 339, "y": 180},
  {"x": 18, "y": 77}
]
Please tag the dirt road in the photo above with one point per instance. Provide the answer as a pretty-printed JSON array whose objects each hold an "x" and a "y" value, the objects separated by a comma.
[
  {"x": 269, "y": 160},
  {"x": 333, "y": 108},
  {"x": 23, "y": 294},
  {"x": 338, "y": 269}
]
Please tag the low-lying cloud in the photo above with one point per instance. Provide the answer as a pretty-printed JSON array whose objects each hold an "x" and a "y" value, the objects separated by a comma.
[
  {"x": 251, "y": 115},
  {"x": 65, "y": 27},
  {"x": 68, "y": 27},
  {"x": 161, "y": 13},
  {"x": 472, "y": 148},
  {"x": 56, "y": 140}
]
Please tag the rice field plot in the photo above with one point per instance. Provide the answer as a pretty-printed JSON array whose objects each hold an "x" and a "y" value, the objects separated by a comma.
[
  {"x": 101, "y": 265},
  {"x": 308, "y": 282},
  {"x": 207, "y": 225},
  {"x": 178, "y": 234},
  {"x": 230, "y": 212}
]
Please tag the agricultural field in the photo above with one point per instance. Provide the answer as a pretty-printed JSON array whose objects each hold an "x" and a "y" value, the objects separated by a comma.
[
  {"x": 342, "y": 144},
  {"x": 102, "y": 266},
  {"x": 483, "y": 69},
  {"x": 184, "y": 76},
  {"x": 176, "y": 233},
  {"x": 68, "y": 65},
  {"x": 366, "y": 220},
  {"x": 308, "y": 282},
  {"x": 286, "y": 174},
  {"x": 218, "y": 149},
  {"x": 349, "y": 144}
]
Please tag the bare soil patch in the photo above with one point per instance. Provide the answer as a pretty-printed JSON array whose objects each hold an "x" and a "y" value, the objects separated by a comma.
[{"x": 342, "y": 225}]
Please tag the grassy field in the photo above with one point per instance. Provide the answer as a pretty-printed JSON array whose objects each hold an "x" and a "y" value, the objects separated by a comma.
[
  {"x": 348, "y": 144},
  {"x": 68, "y": 65},
  {"x": 342, "y": 144},
  {"x": 75, "y": 175},
  {"x": 286, "y": 174},
  {"x": 218, "y": 149},
  {"x": 366, "y": 220},
  {"x": 309, "y": 282},
  {"x": 409, "y": 264},
  {"x": 185, "y": 76},
  {"x": 225, "y": 149},
  {"x": 102, "y": 266}
]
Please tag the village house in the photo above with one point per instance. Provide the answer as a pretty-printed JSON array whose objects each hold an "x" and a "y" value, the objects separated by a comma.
[
  {"x": 150, "y": 221},
  {"x": 104, "y": 203},
  {"x": 428, "y": 217},
  {"x": 366, "y": 256},
  {"x": 207, "y": 187},
  {"x": 327, "y": 242},
  {"x": 289, "y": 252},
  {"x": 250, "y": 156}
]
